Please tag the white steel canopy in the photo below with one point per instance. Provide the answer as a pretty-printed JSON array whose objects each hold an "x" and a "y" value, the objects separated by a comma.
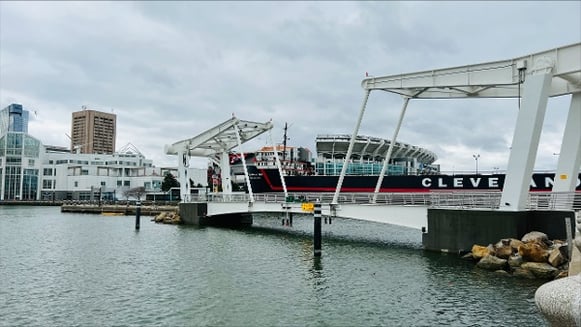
[
  {"x": 216, "y": 143},
  {"x": 498, "y": 79},
  {"x": 219, "y": 138},
  {"x": 534, "y": 78}
]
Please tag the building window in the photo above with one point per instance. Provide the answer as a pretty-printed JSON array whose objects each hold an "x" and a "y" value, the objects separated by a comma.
[
  {"x": 47, "y": 184},
  {"x": 126, "y": 183},
  {"x": 84, "y": 172},
  {"x": 76, "y": 184},
  {"x": 102, "y": 183},
  {"x": 119, "y": 183},
  {"x": 47, "y": 171}
]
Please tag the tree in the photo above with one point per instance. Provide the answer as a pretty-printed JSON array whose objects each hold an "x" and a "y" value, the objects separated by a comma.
[
  {"x": 136, "y": 192},
  {"x": 169, "y": 181}
]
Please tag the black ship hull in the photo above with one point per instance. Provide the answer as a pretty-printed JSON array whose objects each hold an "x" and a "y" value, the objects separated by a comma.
[{"x": 268, "y": 180}]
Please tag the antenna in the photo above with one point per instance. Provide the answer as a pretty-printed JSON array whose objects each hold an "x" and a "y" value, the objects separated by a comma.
[{"x": 284, "y": 142}]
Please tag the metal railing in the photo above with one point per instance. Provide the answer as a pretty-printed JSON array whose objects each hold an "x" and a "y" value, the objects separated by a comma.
[{"x": 436, "y": 199}]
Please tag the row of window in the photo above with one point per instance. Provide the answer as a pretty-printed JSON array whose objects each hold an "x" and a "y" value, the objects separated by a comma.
[
  {"x": 49, "y": 184},
  {"x": 95, "y": 163}
]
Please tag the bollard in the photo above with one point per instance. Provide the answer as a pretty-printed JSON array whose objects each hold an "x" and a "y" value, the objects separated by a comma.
[
  {"x": 137, "y": 215},
  {"x": 290, "y": 215},
  {"x": 317, "y": 230},
  {"x": 569, "y": 237}
]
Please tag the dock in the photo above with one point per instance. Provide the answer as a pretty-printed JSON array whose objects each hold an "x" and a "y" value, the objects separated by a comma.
[{"x": 115, "y": 209}]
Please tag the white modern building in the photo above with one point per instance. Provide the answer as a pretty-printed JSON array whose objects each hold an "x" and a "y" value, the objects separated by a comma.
[
  {"x": 31, "y": 171},
  {"x": 78, "y": 176}
]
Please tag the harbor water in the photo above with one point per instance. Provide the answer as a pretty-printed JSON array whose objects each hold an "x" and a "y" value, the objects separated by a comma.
[{"x": 66, "y": 269}]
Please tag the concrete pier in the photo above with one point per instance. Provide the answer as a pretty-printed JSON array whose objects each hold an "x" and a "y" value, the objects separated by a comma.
[
  {"x": 195, "y": 213},
  {"x": 455, "y": 231}
]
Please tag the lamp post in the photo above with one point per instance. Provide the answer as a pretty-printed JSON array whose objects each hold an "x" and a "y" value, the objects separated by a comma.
[{"x": 476, "y": 156}]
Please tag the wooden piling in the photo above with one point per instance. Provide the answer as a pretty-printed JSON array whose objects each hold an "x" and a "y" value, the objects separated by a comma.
[{"x": 317, "y": 230}]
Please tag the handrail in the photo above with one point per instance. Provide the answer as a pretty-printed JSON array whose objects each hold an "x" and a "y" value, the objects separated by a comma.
[{"x": 436, "y": 199}]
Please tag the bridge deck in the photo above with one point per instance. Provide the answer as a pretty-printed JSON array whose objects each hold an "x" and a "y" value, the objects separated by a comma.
[{"x": 404, "y": 209}]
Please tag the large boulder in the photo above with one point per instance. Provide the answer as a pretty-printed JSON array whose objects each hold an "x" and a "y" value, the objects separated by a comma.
[
  {"x": 535, "y": 237},
  {"x": 160, "y": 217},
  {"x": 556, "y": 257},
  {"x": 491, "y": 262},
  {"x": 533, "y": 252},
  {"x": 172, "y": 218},
  {"x": 541, "y": 269},
  {"x": 514, "y": 243},
  {"x": 479, "y": 251},
  {"x": 503, "y": 251},
  {"x": 515, "y": 260}
]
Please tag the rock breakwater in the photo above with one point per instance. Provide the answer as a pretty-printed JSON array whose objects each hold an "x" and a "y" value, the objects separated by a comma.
[
  {"x": 534, "y": 256},
  {"x": 168, "y": 217}
]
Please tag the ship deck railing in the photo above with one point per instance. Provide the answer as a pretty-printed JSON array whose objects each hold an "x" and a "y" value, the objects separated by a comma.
[{"x": 433, "y": 199}]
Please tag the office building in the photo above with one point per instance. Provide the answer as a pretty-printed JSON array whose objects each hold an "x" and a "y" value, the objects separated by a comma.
[
  {"x": 20, "y": 160},
  {"x": 93, "y": 132},
  {"x": 13, "y": 119}
]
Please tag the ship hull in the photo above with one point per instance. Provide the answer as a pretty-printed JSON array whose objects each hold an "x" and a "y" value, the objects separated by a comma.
[{"x": 268, "y": 180}]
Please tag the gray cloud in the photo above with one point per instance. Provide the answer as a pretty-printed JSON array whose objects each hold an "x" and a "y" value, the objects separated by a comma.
[{"x": 171, "y": 70}]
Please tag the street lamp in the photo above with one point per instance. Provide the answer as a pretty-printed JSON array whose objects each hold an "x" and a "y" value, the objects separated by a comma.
[{"x": 476, "y": 156}]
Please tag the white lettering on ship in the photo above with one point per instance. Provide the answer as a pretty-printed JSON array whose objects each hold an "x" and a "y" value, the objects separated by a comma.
[{"x": 475, "y": 181}]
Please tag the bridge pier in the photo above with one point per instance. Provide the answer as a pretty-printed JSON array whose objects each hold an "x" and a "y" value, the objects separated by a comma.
[
  {"x": 455, "y": 231},
  {"x": 195, "y": 213}
]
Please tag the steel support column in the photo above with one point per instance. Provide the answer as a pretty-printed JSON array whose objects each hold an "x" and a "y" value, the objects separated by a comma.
[
  {"x": 246, "y": 178},
  {"x": 225, "y": 173},
  {"x": 278, "y": 165},
  {"x": 390, "y": 149},
  {"x": 526, "y": 136},
  {"x": 566, "y": 176},
  {"x": 350, "y": 149},
  {"x": 183, "y": 164}
]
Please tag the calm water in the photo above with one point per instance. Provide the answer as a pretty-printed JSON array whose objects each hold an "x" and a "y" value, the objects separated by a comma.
[{"x": 87, "y": 270}]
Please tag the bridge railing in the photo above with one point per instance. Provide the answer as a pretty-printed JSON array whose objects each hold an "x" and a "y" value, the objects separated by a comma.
[
  {"x": 554, "y": 201},
  {"x": 435, "y": 199},
  {"x": 466, "y": 200}
]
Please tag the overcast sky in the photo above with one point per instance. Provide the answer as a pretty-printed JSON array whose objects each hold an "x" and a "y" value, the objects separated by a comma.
[{"x": 171, "y": 70}]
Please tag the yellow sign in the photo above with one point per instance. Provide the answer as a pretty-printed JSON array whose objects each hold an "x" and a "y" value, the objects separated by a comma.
[
  {"x": 563, "y": 176},
  {"x": 308, "y": 206}
]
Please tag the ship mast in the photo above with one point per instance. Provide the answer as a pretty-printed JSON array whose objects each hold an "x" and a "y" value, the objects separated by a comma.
[{"x": 284, "y": 143}]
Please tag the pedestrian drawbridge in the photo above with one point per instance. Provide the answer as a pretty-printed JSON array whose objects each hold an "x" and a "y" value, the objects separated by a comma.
[{"x": 532, "y": 78}]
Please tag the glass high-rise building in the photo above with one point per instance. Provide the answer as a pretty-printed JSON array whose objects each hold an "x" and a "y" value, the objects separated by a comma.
[
  {"x": 13, "y": 119},
  {"x": 20, "y": 153}
]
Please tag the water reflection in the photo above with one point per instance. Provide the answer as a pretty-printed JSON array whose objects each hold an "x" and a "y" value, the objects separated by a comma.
[{"x": 63, "y": 269}]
